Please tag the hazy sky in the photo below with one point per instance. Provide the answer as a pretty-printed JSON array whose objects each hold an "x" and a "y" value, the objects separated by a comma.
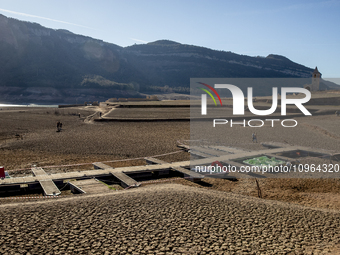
[{"x": 307, "y": 32}]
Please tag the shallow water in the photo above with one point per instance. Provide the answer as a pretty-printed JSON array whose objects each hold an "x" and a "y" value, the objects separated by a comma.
[{"x": 26, "y": 105}]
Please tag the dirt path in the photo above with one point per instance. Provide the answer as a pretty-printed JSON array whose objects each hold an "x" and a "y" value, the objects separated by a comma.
[
  {"x": 97, "y": 111},
  {"x": 109, "y": 111}
]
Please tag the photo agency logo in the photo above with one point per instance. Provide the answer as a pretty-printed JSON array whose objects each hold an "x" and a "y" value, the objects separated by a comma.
[{"x": 239, "y": 105}]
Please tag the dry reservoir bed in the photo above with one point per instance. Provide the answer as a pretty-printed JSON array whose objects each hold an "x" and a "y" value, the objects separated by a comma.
[
  {"x": 79, "y": 141},
  {"x": 168, "y": 219}
]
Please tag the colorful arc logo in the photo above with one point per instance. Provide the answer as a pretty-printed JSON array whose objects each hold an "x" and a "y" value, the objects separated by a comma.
[
  {"x": 208, "y": 86},
  {"x": 204, "y": 98}
]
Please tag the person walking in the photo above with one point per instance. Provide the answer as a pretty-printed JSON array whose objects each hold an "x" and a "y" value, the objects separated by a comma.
[{"x": 254, "y": 136}]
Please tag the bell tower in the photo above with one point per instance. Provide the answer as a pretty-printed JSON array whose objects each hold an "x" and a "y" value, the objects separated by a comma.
[{"x": 316, "y": 80}]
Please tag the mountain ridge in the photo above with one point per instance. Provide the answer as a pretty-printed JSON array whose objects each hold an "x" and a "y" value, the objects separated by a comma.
[{"x": 55, "y": 65}]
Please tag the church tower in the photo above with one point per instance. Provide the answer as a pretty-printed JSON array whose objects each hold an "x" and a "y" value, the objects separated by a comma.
[{"x": 316, "y": 80}]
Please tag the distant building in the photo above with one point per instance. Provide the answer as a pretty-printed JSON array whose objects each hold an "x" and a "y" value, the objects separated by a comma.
[
  {"x": 315, "y": 86},
  {"x": 152, "y": 97}
]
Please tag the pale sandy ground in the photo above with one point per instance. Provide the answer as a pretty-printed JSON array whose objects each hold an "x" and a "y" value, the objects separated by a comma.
[
  {"x": 164, "y": 218},
  {"x": 79, "y": 141}
]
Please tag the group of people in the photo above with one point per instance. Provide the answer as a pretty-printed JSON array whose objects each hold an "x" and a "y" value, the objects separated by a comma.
[{"x": 59, "y": 126}]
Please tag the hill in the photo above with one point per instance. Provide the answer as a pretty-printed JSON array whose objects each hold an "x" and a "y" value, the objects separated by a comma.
[{"x": 42, "y": 65}]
